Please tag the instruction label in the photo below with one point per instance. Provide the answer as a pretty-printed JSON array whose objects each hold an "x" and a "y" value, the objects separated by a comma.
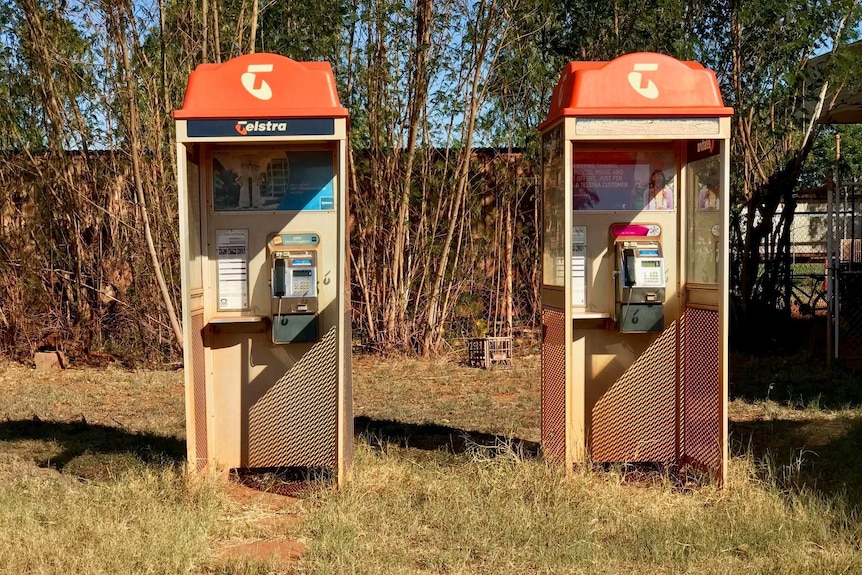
[
  {"x": 232, "y": 258},
  {"x": 579, "y": 266}
]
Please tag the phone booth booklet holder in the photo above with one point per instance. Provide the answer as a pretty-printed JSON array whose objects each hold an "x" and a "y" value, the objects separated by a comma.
[
  {"x": 635, "y": 166},
  {"x": 261, "y": 150}
]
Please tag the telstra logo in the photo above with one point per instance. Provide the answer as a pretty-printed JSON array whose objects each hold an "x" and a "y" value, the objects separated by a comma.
[
  {"x": 245, "y": 127},
  {"x": 706, "y": 145}
]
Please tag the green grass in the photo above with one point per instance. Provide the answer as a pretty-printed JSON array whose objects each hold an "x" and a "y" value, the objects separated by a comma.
[
  {"x": 446, "y": 480},
  {"x": 795, "y": 381}
]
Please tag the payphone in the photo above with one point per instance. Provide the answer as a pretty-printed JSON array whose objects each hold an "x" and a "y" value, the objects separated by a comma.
[
  {"x": 640, "y": 286},
  {"x": 635, "y": 172},
  {"x": 262, "y": 171},
  {"x": 293, "y": 288}
]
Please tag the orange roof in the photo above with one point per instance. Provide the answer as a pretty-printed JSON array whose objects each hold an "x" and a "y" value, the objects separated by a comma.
[
  {"x": 643, "y": 84},
  {"x": 261, "y": 86}
]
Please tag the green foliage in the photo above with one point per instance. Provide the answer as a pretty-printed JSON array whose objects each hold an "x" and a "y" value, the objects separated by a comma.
[
  {"x": 47, "y": 85},
  {"x": 599, "y": 30},
  {"x": 304, "y": 30},
  {"x": 822, "y": 163},
  {"x": 525, "y": 76},
  {"x": 406, "y": 71}
]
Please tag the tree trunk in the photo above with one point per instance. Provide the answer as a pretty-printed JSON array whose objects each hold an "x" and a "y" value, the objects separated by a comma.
[{"x": 139, "y": 186}]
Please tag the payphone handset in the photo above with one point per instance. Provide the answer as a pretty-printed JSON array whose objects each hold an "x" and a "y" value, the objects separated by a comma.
[
  {"x": 293, "y": 287},
  {"x": 640, "y": 285}
]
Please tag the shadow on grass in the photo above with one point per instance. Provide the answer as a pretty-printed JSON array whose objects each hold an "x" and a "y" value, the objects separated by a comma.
[
  {"x": 90, "y": 451},
  {"x": 795, "y": 381},
  {"x": 818, "y": 455},
  {"x": 433, "y": 437}
]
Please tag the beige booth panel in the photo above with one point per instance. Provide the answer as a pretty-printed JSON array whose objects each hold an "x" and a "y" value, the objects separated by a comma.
[
  {"x": 630, "y": 401},
  {"x": 600, "y": 288},
  {"x": 630, "y": 383},
  {"x": 266, "y": 416},
  {"x": 251, "y": 375},
  {"x": 261, "y": 226}
]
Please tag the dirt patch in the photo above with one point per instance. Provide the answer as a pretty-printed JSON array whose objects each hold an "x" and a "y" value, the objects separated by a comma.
[
  {"x": 250, "y": 496},
  {"x": 284, "y": 550},
  {"x": 275, "y": 516}
]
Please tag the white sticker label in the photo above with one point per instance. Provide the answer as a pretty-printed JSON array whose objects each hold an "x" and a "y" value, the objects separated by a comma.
[
  {"x": 232, "y": 258},
  {"x": 579, "y": 265}
]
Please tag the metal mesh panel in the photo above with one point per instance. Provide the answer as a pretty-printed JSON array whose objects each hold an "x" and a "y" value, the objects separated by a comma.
[
  {"x": 199, "y": 384},
  {"x": 295, "y": 423},
  {"x": 554, "y": 386},
  {"x": 636, "y": 419},
  {"x": 701, "y": 390},
  {"x": 850, "y": 315}
]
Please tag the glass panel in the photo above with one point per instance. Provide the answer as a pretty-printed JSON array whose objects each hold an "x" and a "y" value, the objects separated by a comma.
[
  {"x": 259, "y": 179},
  {"x": 194, "y": 209},
  {"x": 624, "y": 178},
  {"x": 704, "y": 216},
  {"x": 553, "y": 208}
]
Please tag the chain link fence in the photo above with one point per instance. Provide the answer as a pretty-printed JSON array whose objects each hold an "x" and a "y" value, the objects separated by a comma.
[
  {"x": 847, "y": 273},
  {"x": 808, "y": 250}
]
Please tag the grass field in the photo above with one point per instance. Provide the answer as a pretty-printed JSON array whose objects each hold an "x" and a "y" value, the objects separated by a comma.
[{"x": 445, "y": 481}]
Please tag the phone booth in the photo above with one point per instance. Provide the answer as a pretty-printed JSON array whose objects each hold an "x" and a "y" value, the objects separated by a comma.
[
  {"x": 261, "y": 154},
  {"x": 635, "y": 293}
]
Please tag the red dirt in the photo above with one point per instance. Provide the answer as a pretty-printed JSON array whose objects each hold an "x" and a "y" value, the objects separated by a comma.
[
  {"x": 246, "y": 495},
  {"x": 282, "y": 550}
]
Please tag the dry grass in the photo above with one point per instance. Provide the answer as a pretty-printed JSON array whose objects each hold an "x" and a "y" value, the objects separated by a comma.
[
  {"x": 445, "y": 481},
  {"x": 93, "y": 480},
  {"x": 425, "y": 512},
  {"x": 416, "y": 394},
  {"x": 140, "y": 521}
]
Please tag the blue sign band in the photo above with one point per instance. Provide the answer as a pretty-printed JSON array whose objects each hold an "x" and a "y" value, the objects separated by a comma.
[{"x": 260, "y": 128}]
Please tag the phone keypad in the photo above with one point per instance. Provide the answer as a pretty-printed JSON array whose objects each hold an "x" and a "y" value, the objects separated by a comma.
[{"x": 652, "y": 278}]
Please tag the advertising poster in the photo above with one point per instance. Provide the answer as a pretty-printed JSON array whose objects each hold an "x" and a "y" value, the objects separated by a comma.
[
  {"x": 623, "y": 180},
  {"x": 290, "y": 180}
]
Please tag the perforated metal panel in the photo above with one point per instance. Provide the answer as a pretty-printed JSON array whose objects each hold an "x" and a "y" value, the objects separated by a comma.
[
  {"x": 295, "y": 424},
  {"x": 850, "y": 313},
  {"x": 554, "y": 385},
  {"x": 701, "y": 390},
  {"x": 636, "y": 419},
  {"x": 199, "y": 385}
]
